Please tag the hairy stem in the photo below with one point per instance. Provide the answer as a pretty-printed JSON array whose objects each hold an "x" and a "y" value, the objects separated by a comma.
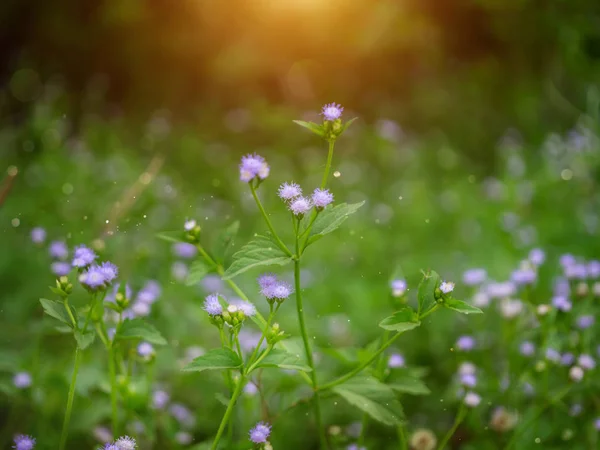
[
  {"x": 279, "y": 242},
  {"x": 70, "y": 397},
  {"x": 228, "y": 412}
]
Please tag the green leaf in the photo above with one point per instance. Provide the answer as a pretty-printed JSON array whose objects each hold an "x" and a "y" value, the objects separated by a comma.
[
  {"x": 426, "y": 291},
  {"x": 314, "y": 127},
  {"x": 284, "y": 360},
  {"x": 403, "y": 320},
  {"x": 461, "y": 307},
  {"x": 374, "y": 398},
  {"x": 139, "y": 329},
  {"x": 260, "y": 251},
  {"x": 331, "y": 218},
  {"x": 407, "y": 384},
  {"x": 57, "y": 310},
  {"x": 224, "y": 240},
  {"x": 216, "y": 359},
  {"x": 171, "y": 236},
  {"x": 198, "y": 270},
  {"x": 347, "y": 124},
  {"x": 56, "y": 291},
  {"x": 84, "y": 340}
]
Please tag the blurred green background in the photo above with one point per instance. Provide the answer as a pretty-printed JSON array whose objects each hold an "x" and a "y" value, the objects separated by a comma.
[{"x": 476, "y": 141}]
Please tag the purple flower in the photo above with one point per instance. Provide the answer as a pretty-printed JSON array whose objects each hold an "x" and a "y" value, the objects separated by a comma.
[
  {"x": 253, "y": 166},
  {"x": 251, "y": 389},
  {"x": 110, "y": 446},
  {"x": 260, "y": 433},
  {"x": 561, "y": 303},
  {"x": 567, "y": 260},
  {"x": 289, "y": 191},
  {"x": 22, "y": 380},
  {"x": 145, "y": 349},
  {"x": 446, "y": 287},
  {"x": 212, "y": 283},
  {"x": 246, "y": 307},
  {"x": 524, "y": 276},
  {"x": 537, "y": 256},
  {"x": 183, "y": 438},
  {"x": 586, "y": 362},
  {"x": 183, "y": 415},
  {"x": 575, "y": 409},
  {"x": 332, "y": 111},
  {"x": 266, "y": 280},
  {"x": 500, "y": 290},
  {"x": 468, "y": 380},
  {"x": 109, "y": 270},
  {"x": 567, "y": 359},
  {"x": 83, "y": 256},
  {"x": 179, "y": 271},
  {"x": 184, "y": 250},
  {"x": 189, "y": 225},
  {"x": 140, "y": 309},
  {"x": 473, "y": 277},
  {"x": 93, "y": 277},
  {"x": 472, "y": 399},
  {"x": 552, "y": 355},
  {"x": 575, "y": 271},
  {"x": 58, "y": 250},
  {"x": 300, "y": 206},
  {"x": 23, "y": 442},
  {"x": 527, "y": 348},
  {"x": 586, "y": 321},
  {"x": 321, "y": 198},
  {"x": 561, "y": 287},
  {"x": 38, "y": 235},
  {"x": 593, "y": 269},
  {"x": 60, "y": 268},
  {"x": 597, "y": 423},
  {"x": 467, "y": 368},
  {"x": 398, "y": 287},
  {"x": 396, "y": 360},
  {"x": 160, "y": 399},
  {"x": 249, "y": 339},
  {"x": 576, "y": 373},
  {"x": 279, "y": 290},
  {"x": 212, "y": 305},
  {"x": 465, "y": 343},
  {"x": 126, "y": 443}
]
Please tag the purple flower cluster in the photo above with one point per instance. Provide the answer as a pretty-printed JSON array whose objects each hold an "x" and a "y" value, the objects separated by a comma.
[
  {"x": 38, "y": 235},
  {"x": 23, "y": 442},
  {"x": 273, "y": 288},
  {"x": 398, "y": 287},
  {"x": 260, "y": 433},
  {"x": 396, "y": 361},
  {"x": 83, "y": 257},
  {"x": 99, "y": 276},
  {"x": 332, "y": 111},
  {"x": 474, "y": 277},
  {"x": 123, "y": 443},
  {"x": 299, "y": 205},
  {"x": 253, "y": 166},
  {"x": 213, "y": 306}
]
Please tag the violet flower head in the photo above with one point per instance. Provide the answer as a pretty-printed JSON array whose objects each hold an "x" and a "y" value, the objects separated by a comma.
[
  {"x": 279, "y": 290},
  {"x": 332, "y": 111},
  {"x": 60, "y": 268},
  {"x": 501, "y": 290},
  {"x": 185, "y": 250},
  {"x": 586, "y": 362},
  {"x": 472, "y": 399},
  {"x": 527, "y": 348},
  {"x": 182, "y": 414},
  {"x": 465, "y": 343},
  {"x": 58, "y": 250},
  {"x": 83, "y": 256},
  {"x": 22, "y": 380},
  {"x": 110, "y": 446},
  {"x": 321, "y": 198},
  {"x": 585, "y": 321},
  {"x": 289, "y": 191},
  {"x": 552, "y": 355},
  {"x": 468, "y": 380},
  {"x": 93, "y": 277},
  {"x": 160, "y": 399},
  {"x": 126, "y": 443},
  {"x": 109, "y": 270},
  {"x": 247, "y": 308},
  {"x": 212, "y": 305},
  {"x": 524, "y": 276},
  {"x": 597, "y": 424},
  {"x": 145, "y": 350},
  {"x": 567, "y": 359},
  {"x": 446, "y": 287},
  {"x": 260, "y": 433},
  {"x": 474, "y": 277},
  {"x": 398, "y": 287},
  {"x": 576, "y": 271},
  {"x": 266, "y": 280},
  {"x": 183, "y": 438},
  {"x": 189, "y": 225},
  {"x": 300, "y": 206},
  {"x": 537, "y": 256},
  {"x": 561, "y": 303},
  {"x": 396, "y": 361},
  {"x": 253, "y": 166},
  {"x": 567, "y": 260},
  {"x": 38, "y": 235},
  {"x": 23, "y": 442},
  {"x": 467, "y": 368},
  {"x": 593, "y": 269}
]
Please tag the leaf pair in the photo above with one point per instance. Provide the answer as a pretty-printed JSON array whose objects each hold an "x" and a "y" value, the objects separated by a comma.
[{"x": 426, "y": 296}]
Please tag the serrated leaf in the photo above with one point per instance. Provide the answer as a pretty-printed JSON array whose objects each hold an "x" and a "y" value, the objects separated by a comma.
[
  {"x": 314, "y": 127},
  {"x": 426, "y": 290},
  {"x": 198, "y": 271},
  {"x": 216, "y": 359},
  {"x": 407, "y": 384},
  {"x": 84, "y": 340},
  {"x": 171, "y": 236},
  {"x": 284, "y": 360},
  {"x": 139, "y": 329},
  {"x": 260, "y": 251},
  {"x": 331, "y": 218},
  {"x": 224, "y": 240},
  {"x": 403, "y": 320},
  {"x": 57, "y": 311},
  {"x": 374, "y": 398},
  {"x": 461, "y": 307}
]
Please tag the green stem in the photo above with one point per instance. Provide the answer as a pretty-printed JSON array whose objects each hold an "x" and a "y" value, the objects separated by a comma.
[
  {"x": 328, "y": 165},
  {"x": 228, "y": 412},
  {"x": 71, "y": 396},
  {"x": 402, "y": 437},
  {"x": 262, "y": 337},
  {"x": 460, "y": 416},
  {"x": 113, "y": 390},
  {"x": 431, "y": 311},
  {"x": 307, "y": 348},
  {"x": 89, "y": 314},
  {"x": 260, "y": 358},
  {"x": 281, "y": 245},
  {"x": 69, "y": 312},
  {"x": 363, "y": 430}
]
